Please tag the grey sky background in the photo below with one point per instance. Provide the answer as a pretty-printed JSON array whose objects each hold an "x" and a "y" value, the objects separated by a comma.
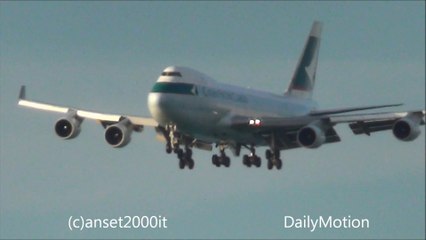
[{"x": 106, "y": 56}]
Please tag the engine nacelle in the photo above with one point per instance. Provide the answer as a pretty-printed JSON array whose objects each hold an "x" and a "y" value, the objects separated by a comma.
[
  {"x": 118, "y": 135},
  {"x": 406, "y": 129},
  {"x": 68, "y": 127},
  {"x": 311, "y": 136}
]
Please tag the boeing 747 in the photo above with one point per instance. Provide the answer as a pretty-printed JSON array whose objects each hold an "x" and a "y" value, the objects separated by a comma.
[{"x": 191, "y": 110}]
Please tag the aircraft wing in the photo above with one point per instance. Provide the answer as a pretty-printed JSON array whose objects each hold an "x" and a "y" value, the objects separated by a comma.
[
  {"x": 103, "y": 118},
  {"x": 373, "y": 122},
  {"x": 286, "y": 130},
  {"x": 271, "y": 123},
  {"x": 118, "y": 127}
]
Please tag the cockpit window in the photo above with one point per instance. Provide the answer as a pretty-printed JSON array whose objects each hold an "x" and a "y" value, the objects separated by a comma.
[{"x": 171, "y": 74}]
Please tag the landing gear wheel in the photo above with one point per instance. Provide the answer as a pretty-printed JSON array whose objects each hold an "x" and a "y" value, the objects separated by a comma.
[
  {"x": 226, "y": 161},
  {"x": 221, "y": 159},
  {"x": 273, "y": 157},
  {"x": 168, "y": 148},
  {"x": 179, "y": 153},
  {"x": 215, "y": 160},
  {"x": 270, "y": 164},
  {"x": 268, "y": 154},
  {"x": 278, "y": 164},
  {"x": 181, "y": 163},
  {"x": 176, "y": 148},
  {"x": 257, "y": 161},
  {"x": 252, "y": 158},
  {"x": 246, "y": 160},
  {"x": 190, "y": 163},
  {"x": 249, "y": 160},
  {"x": 185, "y": 158}
]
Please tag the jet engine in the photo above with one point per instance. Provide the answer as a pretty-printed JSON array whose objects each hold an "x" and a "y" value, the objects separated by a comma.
[
  {"x": 406, "y": 129},
  {"x": 311, "y": 136},
  {"x": 68, "y": 127},
  {"x": 118, "y": 135}
]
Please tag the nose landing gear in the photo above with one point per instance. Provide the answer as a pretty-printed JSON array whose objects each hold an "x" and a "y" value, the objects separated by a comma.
[{"x": 172, "y": 145}]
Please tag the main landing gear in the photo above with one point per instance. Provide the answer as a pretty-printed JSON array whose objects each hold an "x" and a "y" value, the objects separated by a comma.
[
  {"x": 222, "y": 159},
  {"x": 252, "y": 158},
  {"x": 185, "y": 158},
  {"x": 273, "y": 157},
  {"x": 174, "y": 141}
]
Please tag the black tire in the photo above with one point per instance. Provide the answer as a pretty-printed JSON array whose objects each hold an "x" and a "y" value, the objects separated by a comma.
[
  {"x": 215, "y": 160},
  {"x": 245, "y": 160},
  {"x": 268, "y": 154},
  {"x": 227, "y": 161},
  {"x": 168, "y": 148},
  {"x": 249, "y": 161},
  {"x": 270, "y": 164},
  {"x": 279, "y": 164},
  {"x": 181, "y": 163},
  {"x": 256, "y": 161},
  {"x": 191, "y": 163},
  {"x": 179, "y": 153}
]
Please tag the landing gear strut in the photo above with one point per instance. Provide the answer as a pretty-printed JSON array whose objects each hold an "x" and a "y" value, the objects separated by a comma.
[
  {"x": 172, "y": 139},
  {"x": 273, "y": 154},
  {"x": 222, "y": 159},
  {"x": 172, "y": 145},
  {"x": 252, "y": 158}
]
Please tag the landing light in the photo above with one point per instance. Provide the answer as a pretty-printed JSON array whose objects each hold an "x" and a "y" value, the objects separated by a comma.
[{"x": 255, "y": 122}]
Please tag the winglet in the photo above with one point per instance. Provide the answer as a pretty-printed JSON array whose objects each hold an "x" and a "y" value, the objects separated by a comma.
[{"x": 22, "y": 93}]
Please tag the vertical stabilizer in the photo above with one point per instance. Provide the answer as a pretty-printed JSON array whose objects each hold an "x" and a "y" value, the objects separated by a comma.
[{"x": 303, "y": 81}]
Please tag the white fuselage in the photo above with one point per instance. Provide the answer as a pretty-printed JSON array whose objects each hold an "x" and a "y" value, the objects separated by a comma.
[{"x": 203, "y": 108}]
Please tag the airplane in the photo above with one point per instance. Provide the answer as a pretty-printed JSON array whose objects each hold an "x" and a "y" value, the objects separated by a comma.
[{"x": 191, "y": 110}]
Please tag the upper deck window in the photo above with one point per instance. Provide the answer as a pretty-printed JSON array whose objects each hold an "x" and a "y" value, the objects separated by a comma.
[{"x": 171, "y": 74}]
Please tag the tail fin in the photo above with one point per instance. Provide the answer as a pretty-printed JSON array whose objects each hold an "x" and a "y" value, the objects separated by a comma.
[{"x": 303, "y": 81}]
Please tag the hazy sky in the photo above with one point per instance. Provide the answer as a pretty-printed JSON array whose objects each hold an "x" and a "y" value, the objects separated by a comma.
[{"x": 106, "y": 56}]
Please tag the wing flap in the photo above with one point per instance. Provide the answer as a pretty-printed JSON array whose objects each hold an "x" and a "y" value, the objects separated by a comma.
[
  {"x": 142, "y": 121},
  {"x": 362, "y": 127},
  {"x": 367, "y": 117},
  {"x": 98, "y": 116},
  {"x": 43, "y": 106},
  {"x": 353, "y": 109},
  {"x": 367, "y": 124}
]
